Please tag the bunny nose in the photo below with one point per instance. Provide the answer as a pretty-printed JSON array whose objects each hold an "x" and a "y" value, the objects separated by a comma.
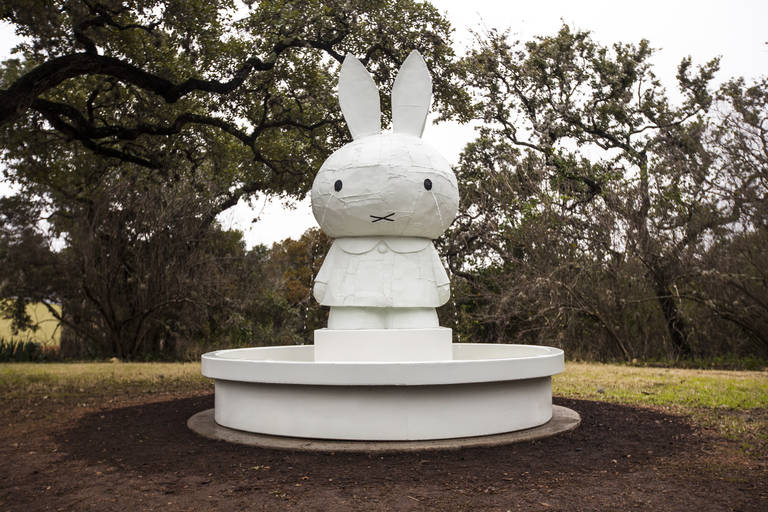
[{"x": 376, "y": 218}]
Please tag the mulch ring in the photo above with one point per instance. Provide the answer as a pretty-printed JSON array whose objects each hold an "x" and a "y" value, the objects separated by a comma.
[{"x": 127, "y": 455}]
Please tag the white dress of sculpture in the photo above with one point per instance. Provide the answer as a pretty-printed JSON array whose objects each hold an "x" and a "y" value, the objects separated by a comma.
[{"x": 383, "y": 198}]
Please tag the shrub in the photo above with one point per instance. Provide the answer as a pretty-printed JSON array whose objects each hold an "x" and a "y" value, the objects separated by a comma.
[{"x": 26, "y": 351}]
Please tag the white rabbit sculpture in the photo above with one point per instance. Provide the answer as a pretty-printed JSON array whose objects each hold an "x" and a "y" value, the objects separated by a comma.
[{"x": 383, "y": 198}]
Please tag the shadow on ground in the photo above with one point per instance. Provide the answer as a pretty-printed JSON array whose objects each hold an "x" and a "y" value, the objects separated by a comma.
[{"x": 153, "y": 438}]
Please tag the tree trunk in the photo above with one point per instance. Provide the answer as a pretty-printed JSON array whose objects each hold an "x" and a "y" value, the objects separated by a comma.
[
  {"x": 650, "y": 255},
  {"x": 677, "y": 327},
  {"x": 72, "y": 344}
]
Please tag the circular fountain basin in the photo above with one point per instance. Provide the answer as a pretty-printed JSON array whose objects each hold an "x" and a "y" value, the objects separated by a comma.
[{"x": 485, "y": 389}]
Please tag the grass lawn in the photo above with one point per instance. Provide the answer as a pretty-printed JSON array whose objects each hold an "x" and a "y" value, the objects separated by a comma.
[
  {"x": 62, "y": 380},
  {"x": 735, "y": 403}
]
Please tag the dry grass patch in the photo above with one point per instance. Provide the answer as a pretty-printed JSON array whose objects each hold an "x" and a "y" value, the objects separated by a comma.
[{"x": 98, "y": 379}]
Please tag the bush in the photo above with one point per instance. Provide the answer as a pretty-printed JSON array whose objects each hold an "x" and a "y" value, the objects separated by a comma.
[{"x": 26, "y": 351}]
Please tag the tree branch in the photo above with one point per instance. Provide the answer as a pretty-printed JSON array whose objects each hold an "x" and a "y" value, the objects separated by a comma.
[{"x": 25, "y": 90}]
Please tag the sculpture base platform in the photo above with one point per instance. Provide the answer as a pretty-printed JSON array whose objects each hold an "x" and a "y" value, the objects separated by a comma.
[
  {"x": 483, "y": 389},
  {"x": 383, "y": 345},
  {"x": 203, "y": 423}
]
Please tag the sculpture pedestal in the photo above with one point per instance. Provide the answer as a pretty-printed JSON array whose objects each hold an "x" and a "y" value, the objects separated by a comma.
[
  {"x": 482, "y": 389},
  {"x": 383, "y": 345},
  {"x": 203, "y": 423}
]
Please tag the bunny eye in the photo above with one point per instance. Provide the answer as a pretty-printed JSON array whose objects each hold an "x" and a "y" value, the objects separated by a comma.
[
  {"x": 337, "y": 186},
  {"x": 428, "y": 184}
]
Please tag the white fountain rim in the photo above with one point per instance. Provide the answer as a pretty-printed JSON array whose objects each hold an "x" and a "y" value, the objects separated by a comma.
[{"x": 217, "y": 365}]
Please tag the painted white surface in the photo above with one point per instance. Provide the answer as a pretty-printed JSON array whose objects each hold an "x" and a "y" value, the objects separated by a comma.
[
  {"x": 383, "y": 176},
  {"x": 383, "y": 198},
  {"x": 383, "y": 345},
  {"x": 482, "y": 390},
  {"x": 382, "y": 318},
  {"x": 389, "y": 413},
  {"x": 382, "y": 272},
  {"x": 359, "y": 99},
  {"x": 471, "y": 363},
  {"x": 411, "y": 96}
]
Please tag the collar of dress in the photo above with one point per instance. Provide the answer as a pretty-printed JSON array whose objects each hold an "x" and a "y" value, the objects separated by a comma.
[{"x": 398, "y": 244}]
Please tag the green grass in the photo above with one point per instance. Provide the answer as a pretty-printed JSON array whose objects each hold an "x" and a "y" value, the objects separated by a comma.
[
  {"x": 734, "y": 403},
  {"x": 680, "y": 388}
]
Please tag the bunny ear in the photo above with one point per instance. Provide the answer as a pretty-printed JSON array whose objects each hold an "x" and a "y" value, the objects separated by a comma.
[
  {"x": 359, "y": 99},
  {"x": 411, "y": 95}
]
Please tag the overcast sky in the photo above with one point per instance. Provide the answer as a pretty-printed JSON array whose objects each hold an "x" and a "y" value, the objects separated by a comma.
[{"x": 736, "y": 31}]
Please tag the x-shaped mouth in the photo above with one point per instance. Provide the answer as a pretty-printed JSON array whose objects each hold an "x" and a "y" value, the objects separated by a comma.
[{"x": 376, "y": 218}]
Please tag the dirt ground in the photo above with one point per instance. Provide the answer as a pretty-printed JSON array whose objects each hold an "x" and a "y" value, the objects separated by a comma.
[{"x": 118, "y": 454}]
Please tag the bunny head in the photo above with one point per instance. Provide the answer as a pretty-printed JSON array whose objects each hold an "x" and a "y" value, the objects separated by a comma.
[{"x": 385, "y": 184}]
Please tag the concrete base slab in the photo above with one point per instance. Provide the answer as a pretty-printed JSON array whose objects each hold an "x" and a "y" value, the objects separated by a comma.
[{"x": 203, "y": 423}]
